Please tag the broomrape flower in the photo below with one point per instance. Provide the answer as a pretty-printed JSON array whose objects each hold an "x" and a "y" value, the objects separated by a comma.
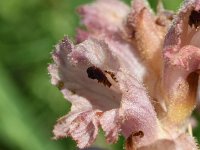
[{"x": 131, "y": 72}]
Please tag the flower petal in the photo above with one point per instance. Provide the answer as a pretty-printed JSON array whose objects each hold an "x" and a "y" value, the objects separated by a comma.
[
  {"x": 164, "y": 143},
  {"x": 101, "y": 91},
  {"x": 82, "y": 127},
  {"x": 104, "y": 15},
  {"x": 140, "y": 119},
  {"x": 127, "y": 55},
  {"x": 185, "y": 29},
  {"x": 122, "y": 49},
  {"x": 86, "y": 78},
  {"x": 136, "y": 113},
  {"x": 181, "y": 82},
  {"x": 110, "y": 19},
  {"x": 182, "y": 142},
  {"x": 181, "y": 55},
  {"x": 111, "y": 124},
  {"x": 147, "y": 32},
  {"x": 82, "y": 73}
]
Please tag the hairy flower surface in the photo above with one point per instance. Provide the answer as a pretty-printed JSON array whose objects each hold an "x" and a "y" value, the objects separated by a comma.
[{"x": 131, "y": 72}]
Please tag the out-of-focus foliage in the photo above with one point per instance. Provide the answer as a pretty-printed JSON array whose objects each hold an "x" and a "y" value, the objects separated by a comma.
[{"x": 29, "y": 104}]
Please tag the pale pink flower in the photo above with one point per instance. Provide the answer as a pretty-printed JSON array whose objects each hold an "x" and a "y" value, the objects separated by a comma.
[{"x": 131, "y": 72}]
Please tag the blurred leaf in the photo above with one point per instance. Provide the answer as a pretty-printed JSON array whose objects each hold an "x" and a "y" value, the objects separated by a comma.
[
  {"x": 17, "y": 124},
  {"x": 172, "y": 4}
]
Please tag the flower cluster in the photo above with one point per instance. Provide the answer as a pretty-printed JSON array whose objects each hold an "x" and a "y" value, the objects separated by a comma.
[{"x": 131, "y": 72}]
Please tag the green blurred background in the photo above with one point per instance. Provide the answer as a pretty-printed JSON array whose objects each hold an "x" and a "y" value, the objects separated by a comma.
[{"x": 29, "y": 104}]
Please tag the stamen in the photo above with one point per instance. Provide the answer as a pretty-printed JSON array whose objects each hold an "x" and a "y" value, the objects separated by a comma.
[
  {"x": 194, "y": 19},
  {"x": 96, "y": 73}
]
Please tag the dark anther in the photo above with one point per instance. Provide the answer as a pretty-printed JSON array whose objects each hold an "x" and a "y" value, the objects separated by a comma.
[
  {"x": 96, "y": 73},
  {"x": 139, "y": 133},
  {"x": 60, "y": 85},
  {"x": 112, "y": 75},
  {"x": 194, "y": 19},
  {"x": 130, "y": 144}
]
